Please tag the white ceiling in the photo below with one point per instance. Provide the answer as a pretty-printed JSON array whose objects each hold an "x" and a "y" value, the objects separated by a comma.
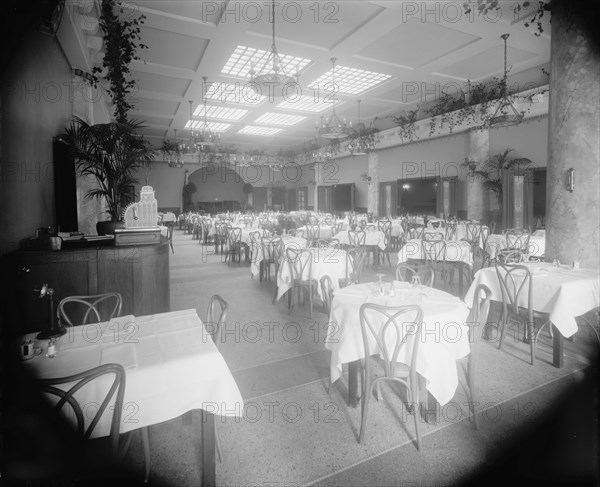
[{"x": 423, "y": 46}]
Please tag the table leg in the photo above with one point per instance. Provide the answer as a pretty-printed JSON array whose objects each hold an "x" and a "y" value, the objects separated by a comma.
[
  {"x": 428, "y": 404},
  {"x": 353, "y": 383},
  {"x": 208, "y": 449},
  {"x": 557, "y": 347}
]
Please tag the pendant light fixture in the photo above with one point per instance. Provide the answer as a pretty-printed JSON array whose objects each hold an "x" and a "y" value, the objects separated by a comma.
[
  {"x": 273, "y": 78},
  {"x": 333, "y": 127},
  {"x": 506, "y": 114},
  {"x": 361, "y": 144}
]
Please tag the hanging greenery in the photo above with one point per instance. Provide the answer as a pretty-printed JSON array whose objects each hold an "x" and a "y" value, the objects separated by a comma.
[
  {"x": 121, "y": 43},
  {"x": 406, "y": 124},
  {"x": 491, "y": 171},
  {"x": 538, "y": 10}
]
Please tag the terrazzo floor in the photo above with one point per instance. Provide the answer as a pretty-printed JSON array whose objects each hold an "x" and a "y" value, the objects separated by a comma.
[{"x": 294, "y": 433}]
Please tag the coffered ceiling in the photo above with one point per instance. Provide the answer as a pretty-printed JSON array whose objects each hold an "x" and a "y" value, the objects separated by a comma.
[{"x": 416, "y": 48}]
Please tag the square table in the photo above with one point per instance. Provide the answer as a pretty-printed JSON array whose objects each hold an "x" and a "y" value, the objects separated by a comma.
[
  {"x": 445, "y": 334},
  {"x": 561, "y": 291},
  {"x": 172, "y": 366}
]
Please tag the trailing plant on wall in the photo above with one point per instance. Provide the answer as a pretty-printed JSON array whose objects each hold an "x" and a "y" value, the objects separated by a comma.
[
  {"x": 537, "y": 11},
  {"x": 121, "y": 43},
  {"x": 491, "y": 171},
  {"x": 406, "y": 124}
]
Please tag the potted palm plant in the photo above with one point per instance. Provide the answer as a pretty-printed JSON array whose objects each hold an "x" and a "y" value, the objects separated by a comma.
[{"x": 110, "y": 153}]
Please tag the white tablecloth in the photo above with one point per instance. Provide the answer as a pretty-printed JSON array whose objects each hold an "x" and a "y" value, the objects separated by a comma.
[
  {"x": 375, "y": 238},
  {"x": 563, "y": 292},
  {"x": 537, "y": 244},
  {"x": 172, "y": 366},
  {"x": 455, "y": 251},
  {"x": 325, "y": 231},
  {"x": 326, "y": 262},
  {"x": 444, "y": 337}
]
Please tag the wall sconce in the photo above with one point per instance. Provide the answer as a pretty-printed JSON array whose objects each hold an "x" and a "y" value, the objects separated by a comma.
[{"x": 571, "y": 179}]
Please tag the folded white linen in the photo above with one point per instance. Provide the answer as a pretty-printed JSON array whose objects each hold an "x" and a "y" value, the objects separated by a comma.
[{"x": 122, "y": 353}]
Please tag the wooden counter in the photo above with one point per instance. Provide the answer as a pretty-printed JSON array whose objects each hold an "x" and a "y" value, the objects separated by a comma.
[{"x": 139, "y": 273}]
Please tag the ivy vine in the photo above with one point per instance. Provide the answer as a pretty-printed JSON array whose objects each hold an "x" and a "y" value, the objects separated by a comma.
[{"x": 121, "y": 43}]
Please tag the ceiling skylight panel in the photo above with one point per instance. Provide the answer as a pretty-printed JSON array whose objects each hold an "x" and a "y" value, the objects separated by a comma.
[
  {"x": 220, "y": 112},
  {"x": 348, "y": 80},
  {"x": 272, "y": 118},
  {"x": 240, "y": 62},
  {"x": 233, "y": 93},
  {"x": 308, "y": 103},
  {"x": 255, "y": 130},
  {"x": 215, "y": 126}
]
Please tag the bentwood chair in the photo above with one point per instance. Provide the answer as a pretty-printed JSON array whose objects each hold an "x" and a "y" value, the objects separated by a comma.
[
  {"x": 82, "y": 310},
  {"x": 450, "y": 230},
  {"x": 215, "y": 317},
  {"x": 312, "y": 234},
  {"x": 75, "y": 423},
  {"x": 475, "y": 321},
  {"x": 356, "y": 258},
  {"x": 357, "y": 238},
  {"x": 235, "y": 245},
  {"x": 300, "y": 266},
  {"x": 327, "y": 291},
  {"x": 434, "y": 255},
  {"x": 517, "y": 287},
  {"x": 424, "y": 274},
  {"x": 415, "y": 231},
  {"x": 387, "y": 328},
  {"x": 517, "y": 246}
]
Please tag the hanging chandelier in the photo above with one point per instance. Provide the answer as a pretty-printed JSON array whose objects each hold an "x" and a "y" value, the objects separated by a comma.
[
  {"x": 204, "y": 136},
  {"x": 171, "y": 151},
  {"x": 273, "y": 76},
  {"x": 333, "y": 127},
  {"x": 506, "y": 114},
  {"x": 362, "y": 143}
]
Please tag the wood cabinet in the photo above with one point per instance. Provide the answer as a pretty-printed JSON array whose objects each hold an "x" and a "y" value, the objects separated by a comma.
[{"x": 139, "y": 273}]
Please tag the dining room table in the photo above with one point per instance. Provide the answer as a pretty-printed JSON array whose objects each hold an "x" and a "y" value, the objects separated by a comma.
[
  {"x": 326, "y": 261},
  {"x": 497, "y": 242},
  {"x": 171, "y": 363},
  {"x": 374, "y": 241},
  {"x": 561, "y": 291},
  {"x": 444, "y": 337},
  {"x": 458, "y": 254},
  {"x": 289, "y": 241}
]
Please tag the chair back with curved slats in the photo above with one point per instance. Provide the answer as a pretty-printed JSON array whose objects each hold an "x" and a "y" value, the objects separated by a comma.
[
  {"x": 356, "y": 257},
  {"x": 312, "y": 233},
  {"x": 385, "y": 331},
  {"x": 215, "y": 317},
  {"x": 433, "y": 236},
  {"x": 515, "y": 281},
  {"x": 384, "y": 226},
  {"x": 82, "y": 310},
  {"x": 357, "y": 238},
  {"x": 450, "y": 231},
  {"x": 68, "y": 406},
  {"x": 327, "y": 291},
  {"x": 425, "y": 274},
  {"x": 300, "y": 264},
  {"x": 387, "y": 327},
  {"x": 415, "y": 231},
  {"x": 472, "y": 233},
  {"x": 517, "y": 240}
]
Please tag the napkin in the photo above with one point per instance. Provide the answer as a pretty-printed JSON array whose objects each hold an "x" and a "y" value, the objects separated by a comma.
[{"x": 123, "y": 353}]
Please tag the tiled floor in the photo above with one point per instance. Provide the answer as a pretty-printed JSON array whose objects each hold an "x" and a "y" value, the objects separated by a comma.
[{"x": 294, "y": 433}]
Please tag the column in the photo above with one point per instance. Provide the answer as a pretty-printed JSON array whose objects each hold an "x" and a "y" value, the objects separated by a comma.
[
  {"x": 373, "y": 186},
  {"x": 572, "y": 216},
  {"x": 317, "y": 180},
  {"x": 477, "y": 197}
]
